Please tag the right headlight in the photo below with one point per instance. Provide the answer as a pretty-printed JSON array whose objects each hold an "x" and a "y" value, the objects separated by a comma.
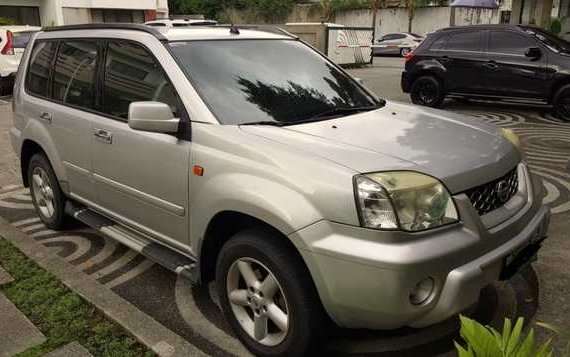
[{"x": 404, "y": 200}]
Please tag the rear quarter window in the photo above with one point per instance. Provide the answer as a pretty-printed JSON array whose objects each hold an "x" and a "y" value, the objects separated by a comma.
[{"x": 39, "y": 67}]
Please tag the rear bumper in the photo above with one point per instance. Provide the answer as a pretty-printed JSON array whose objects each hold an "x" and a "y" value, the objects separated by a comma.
[{"x": 406, "y": 82}]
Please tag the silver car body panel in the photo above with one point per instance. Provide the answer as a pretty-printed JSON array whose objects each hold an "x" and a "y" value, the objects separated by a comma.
[{"x": 298, "y": 179}]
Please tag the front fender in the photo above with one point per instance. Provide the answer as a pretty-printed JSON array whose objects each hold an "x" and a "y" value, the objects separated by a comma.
[{"x": 281, "y": 206}]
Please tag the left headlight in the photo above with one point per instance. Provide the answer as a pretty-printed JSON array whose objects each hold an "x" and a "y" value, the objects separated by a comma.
[{"x": 407, "y": 200}]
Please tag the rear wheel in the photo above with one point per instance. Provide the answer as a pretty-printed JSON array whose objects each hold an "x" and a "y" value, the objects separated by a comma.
[
  {"x": 428, "y": 91},
  {"x": 47, "y": 197},
  {"x": 561, "y": 103},
  {"x": 267, "y": 295}
]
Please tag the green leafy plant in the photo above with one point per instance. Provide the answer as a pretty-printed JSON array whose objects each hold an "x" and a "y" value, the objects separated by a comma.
[
  {"x": 6, "y": 21},
  {"x": 560, "y": 333},
  {"x": 485, "y": 341},
  {"x": 556, "y": 26}
]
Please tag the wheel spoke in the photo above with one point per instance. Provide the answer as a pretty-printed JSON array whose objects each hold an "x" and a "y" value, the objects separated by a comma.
[
  {"x": 260, "y": 327},
  {"x": 247, "y": 273},
  {"x": 269, "y": 286},
  {"x": 49, "y": 207},
  {"x": 38, "y": 181},
  {"x": 278, "y": 317},
  {"x": 239, "y": 297}
]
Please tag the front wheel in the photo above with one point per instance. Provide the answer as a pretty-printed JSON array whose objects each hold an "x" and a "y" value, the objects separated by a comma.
[
  {"x": 267, "y": 295},
  {"x": 561, "y": 103},
  {"x": 427, "y": 91}
]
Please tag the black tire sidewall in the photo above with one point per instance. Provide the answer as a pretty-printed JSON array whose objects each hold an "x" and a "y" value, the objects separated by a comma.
[
  {"x": 304, "y": 318},
  {"x": 57, "y": 221},
  {"x": 562, "y": 93},
  {"x": 438, "y": 95}
]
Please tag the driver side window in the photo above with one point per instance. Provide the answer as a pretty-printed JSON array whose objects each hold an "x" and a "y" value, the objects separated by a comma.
[{"x": 131, "y": 75}]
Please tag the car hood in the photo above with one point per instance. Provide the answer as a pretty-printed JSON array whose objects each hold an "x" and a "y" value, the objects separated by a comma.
[{"x": 460, "y": 151}]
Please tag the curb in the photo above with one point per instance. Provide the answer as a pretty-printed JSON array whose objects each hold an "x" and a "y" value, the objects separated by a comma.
[{"x": 144, "y": 328}]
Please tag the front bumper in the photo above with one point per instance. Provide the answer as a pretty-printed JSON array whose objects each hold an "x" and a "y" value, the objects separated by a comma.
[{"x": 364, "y": 277}]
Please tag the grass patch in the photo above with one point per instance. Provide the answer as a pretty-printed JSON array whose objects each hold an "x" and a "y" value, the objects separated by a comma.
[{"x": 60, "y": 314}]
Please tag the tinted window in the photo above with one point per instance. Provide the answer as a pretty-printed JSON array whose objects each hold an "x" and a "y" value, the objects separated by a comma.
[
  {"x": 21, "y": 39},
  {"x": 509, "y": 43},
  {"x": 464, "y": 41},
  {"x": 549, "y": 39},
  {"x": 39, "y": 68},
  {"x": 132, "y": 75},
  {"x": 439, "y": 43},
  {"x": 74, "y": 74},
  {"x": 393, "y": 36},
  {"x": 266, "y": 80}
]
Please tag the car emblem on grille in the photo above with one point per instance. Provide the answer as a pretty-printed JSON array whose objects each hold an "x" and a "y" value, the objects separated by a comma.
[{"x": 503, "y": 191}]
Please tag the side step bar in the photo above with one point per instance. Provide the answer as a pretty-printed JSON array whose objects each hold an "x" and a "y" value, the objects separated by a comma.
[{"x": 168, "y": 258}]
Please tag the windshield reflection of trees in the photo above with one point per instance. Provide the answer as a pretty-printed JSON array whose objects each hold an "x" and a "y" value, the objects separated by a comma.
[{"x": 293, "y": 102}]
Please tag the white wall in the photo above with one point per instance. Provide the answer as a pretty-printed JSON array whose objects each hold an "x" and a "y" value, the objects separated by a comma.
[
  {"x": 111, "y": 4},
  {"x": 426, "y": 19}
]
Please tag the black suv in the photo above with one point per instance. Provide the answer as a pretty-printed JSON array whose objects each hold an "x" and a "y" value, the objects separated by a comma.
[{"x": 492, "y": 62}]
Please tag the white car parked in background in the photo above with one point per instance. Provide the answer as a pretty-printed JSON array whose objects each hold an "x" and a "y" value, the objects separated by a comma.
[
  {"x": 13, "y": 41},
  {"x": 180, "y": 23},
  {"x": 400, "y": 43}
]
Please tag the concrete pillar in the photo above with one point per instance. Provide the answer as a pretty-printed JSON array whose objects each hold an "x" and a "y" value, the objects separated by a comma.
[
  {"x": 51, "y": 13},
  {"x": 564, "y": 8},
  {"x": 543, "y": 10},
  {"x": 516, "y": 11}
]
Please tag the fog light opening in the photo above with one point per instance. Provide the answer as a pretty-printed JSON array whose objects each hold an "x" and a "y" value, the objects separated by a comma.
[{"x": 422, "y": 292}]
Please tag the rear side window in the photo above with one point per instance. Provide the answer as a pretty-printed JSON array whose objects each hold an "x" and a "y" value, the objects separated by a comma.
[
  {"x": 509, "y": 43},
  {"x": 439, "y": 43},
  {"x": 39, "y": 68},
  {"x": 464, "y": 41},
  {"x": 74, "y": 74},
  {"x": 131, "y": 75}
]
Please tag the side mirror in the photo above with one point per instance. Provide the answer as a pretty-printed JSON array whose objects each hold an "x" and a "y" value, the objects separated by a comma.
[
  {"x": 152, "y": 116},
  {"x": 533, "y": 52}
]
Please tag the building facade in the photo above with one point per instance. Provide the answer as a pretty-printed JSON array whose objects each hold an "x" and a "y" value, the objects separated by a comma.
[{"x": 69, "y": 12}]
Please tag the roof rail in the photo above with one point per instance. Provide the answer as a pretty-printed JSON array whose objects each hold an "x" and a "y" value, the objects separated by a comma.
[
  {"x": 109, "y": 26},
  {"x": 265, "y": 28}
]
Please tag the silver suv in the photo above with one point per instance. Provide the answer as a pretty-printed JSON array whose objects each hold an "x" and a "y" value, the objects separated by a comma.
[{"x": 247, "y": 157}]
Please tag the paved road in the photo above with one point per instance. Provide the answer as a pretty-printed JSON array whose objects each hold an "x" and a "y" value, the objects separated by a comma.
[{"x": 193, "y": 312}]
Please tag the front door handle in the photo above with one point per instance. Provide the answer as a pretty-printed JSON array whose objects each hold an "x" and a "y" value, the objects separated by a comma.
[
  {"x": 103, "y": 136},
  {"x": 46, "y": 117},
  {"x": 491, "y": 65}
]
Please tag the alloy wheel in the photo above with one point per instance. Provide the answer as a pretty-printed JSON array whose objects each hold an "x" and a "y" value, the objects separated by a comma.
[
  {"x": 258, "y": 302},
  {"x": 43, "y": 193},
  {"x": 427, "y": 92}
]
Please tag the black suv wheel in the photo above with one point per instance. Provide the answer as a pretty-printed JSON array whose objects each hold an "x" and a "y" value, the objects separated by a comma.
[
  {"x": 562, "y": 103},
  {"x": 428, "y": 91}
]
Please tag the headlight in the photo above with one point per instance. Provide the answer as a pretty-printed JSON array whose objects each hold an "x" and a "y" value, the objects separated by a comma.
[
  {"x": 511, "y": 136},
  {"x": 403, "y": 199}
]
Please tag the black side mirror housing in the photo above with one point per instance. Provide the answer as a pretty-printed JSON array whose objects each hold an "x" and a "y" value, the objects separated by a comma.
[{"x": 533, "y": 52}]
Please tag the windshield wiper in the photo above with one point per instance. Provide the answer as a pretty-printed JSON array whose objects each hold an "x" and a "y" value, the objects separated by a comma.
[
  {"x": 265, "y": 122},
  {"x": 341, "y": 110}
]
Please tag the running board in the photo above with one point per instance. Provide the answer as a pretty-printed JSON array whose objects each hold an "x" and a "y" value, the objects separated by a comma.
[{"x": 168, "y": 258}]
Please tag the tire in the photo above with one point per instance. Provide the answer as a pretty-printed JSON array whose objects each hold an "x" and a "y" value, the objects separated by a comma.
[
  {"x": 404, "y": 51},
  {"x": 561, "y": 103},
  {"x": 296, "y": 295},
  {"x": 47, "y": 198},
  {"x": 427, "y": 91}
]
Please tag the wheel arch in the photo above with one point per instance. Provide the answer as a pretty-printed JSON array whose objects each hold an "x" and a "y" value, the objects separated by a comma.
[
  {"x": 29, "y": 149},
  {"x": 223, "y": 226},
  {"x": 556, "y": 87}
]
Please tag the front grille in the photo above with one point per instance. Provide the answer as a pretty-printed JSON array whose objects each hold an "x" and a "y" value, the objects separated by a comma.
[{"x": 492, "y": 195}]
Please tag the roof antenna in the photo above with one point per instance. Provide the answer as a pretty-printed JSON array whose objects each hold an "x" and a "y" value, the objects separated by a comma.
[{"x": 234, "y": 30}]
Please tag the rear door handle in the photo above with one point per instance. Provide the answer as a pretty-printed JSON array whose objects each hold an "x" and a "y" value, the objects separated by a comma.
[
  {"x": 46, "y": 117},
  {"x": 103, "y": 136}
]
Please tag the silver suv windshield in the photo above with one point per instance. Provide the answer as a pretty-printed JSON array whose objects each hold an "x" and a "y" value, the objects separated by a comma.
[{"x": 276, "y": 82}]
